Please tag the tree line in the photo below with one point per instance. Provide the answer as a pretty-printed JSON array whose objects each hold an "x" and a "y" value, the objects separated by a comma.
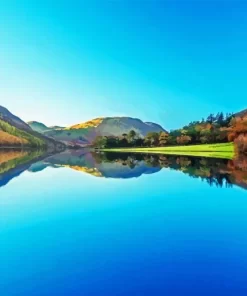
[
  {"x": 131, "y": 139},
  {"x": 216, "y": 128}
]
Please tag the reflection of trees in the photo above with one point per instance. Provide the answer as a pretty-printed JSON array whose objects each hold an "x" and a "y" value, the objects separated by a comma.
[
  {"x": 211, "y": 170},
  {"x": 216, "y": 172},
  {"x": 130, "y": 160},
  {"x": 238, "y": 167}
]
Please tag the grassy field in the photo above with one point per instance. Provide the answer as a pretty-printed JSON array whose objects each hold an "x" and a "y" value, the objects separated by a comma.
[{"x": 223, "y": 150}]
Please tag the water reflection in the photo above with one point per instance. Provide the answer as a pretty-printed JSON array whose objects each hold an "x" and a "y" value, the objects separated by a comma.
[
  {"x": 216, "y": 172},
  {"x": 14, "y": 162},
  {"x": 99, "y": 165}
]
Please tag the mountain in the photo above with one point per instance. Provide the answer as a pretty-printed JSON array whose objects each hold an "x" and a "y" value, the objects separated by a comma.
[
  {"x": 14, "y": 132},
  {"x": 53, "y": 127},
  {"x": 41, "y": 127},
  {"x": 84, "y": 133},
  {"x": 7, "y": 116}
]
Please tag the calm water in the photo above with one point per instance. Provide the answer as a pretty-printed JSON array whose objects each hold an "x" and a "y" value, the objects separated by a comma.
[{"x": 78, "y": 223}]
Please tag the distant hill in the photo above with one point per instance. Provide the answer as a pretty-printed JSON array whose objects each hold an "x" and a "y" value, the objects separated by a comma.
[
  {"x": 41, "y": 127},
  {"x": 84, "y": 133},
  {"x": 38, "y": 126},
  {"x": 53, "y": 127}
]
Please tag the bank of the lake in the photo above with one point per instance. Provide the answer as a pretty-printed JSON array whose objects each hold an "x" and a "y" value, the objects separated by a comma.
[{"x": 221, "y": 150}]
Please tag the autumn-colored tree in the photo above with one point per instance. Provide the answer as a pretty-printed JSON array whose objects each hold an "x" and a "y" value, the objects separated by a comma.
[
  {"x": 238, "y": 126},
  {"x": 241, "y": 143},
  {"x": 183, "y": 140}
]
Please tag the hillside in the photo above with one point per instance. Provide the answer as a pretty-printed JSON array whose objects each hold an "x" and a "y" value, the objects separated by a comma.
[
  {"x": 7, "y": 139},
  {"x": 11, "y": 136},
  {"x": 242, "y": 114},
  {"x": 84, "y": 133},
  {"x": 7, "y": 116},
  {"x": 16, "y": 133}
]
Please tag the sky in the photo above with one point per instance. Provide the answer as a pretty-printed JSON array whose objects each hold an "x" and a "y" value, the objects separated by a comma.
[{"x": 166, "y": 61}]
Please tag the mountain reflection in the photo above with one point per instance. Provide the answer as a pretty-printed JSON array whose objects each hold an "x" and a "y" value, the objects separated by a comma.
[
  {"x": 99, "y": 165},
  {"x": 216, "y": 172}
]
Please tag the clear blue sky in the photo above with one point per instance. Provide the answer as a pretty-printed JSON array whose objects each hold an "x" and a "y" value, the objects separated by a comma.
[{"x": 64, "y": 62}]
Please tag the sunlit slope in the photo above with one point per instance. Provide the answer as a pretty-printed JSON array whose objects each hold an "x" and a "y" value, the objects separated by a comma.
[
  {"x": 12, "y": 136},
  {"x": 85, "y": 133}
]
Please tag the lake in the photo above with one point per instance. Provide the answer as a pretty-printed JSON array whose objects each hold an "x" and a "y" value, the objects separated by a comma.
[{"x": 81, "y": 223}]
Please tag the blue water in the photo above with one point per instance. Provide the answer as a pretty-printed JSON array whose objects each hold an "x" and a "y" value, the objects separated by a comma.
[{"x": 66, "y": 232}]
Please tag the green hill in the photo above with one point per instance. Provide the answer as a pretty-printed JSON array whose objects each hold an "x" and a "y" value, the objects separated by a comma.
[
  {"x": 13, "y": 136},
  {"x": 16, "y": 133},
  {"x": 41, "y": 127},
  {"x": 38, "y": 126}
]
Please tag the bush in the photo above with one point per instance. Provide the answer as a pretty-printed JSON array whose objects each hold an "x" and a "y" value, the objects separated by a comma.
[{"x": 241, "y": 143}]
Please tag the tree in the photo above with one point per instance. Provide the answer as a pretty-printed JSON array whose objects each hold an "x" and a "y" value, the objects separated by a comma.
[
  {"x": 100, "y": 142},
  {"x": 241, "y": 143},
  {"x": 139, "y": 142},
  {"x": 210, "y": 118},
  {"x": 132, "y": 136},
  {"x": 220, "y": 118},
  {"x": 123, "y": 142},
  {"x": 152, "y": 139},
  {"x": 112, "y": 142},
  {"x": 205, "y": 136},
  {"x": 221, "y": 135},
  {"x": 172, "y": 137},
  {"x": 183, "y": 140},
  {"x": 163, "y": 137}
]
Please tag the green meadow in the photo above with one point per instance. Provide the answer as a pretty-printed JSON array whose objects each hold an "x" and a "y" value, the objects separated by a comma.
[{"x": 222, "y": 150}]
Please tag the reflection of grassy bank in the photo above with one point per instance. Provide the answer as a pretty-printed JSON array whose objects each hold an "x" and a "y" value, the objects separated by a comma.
[{"x": 224, "y": 150}]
